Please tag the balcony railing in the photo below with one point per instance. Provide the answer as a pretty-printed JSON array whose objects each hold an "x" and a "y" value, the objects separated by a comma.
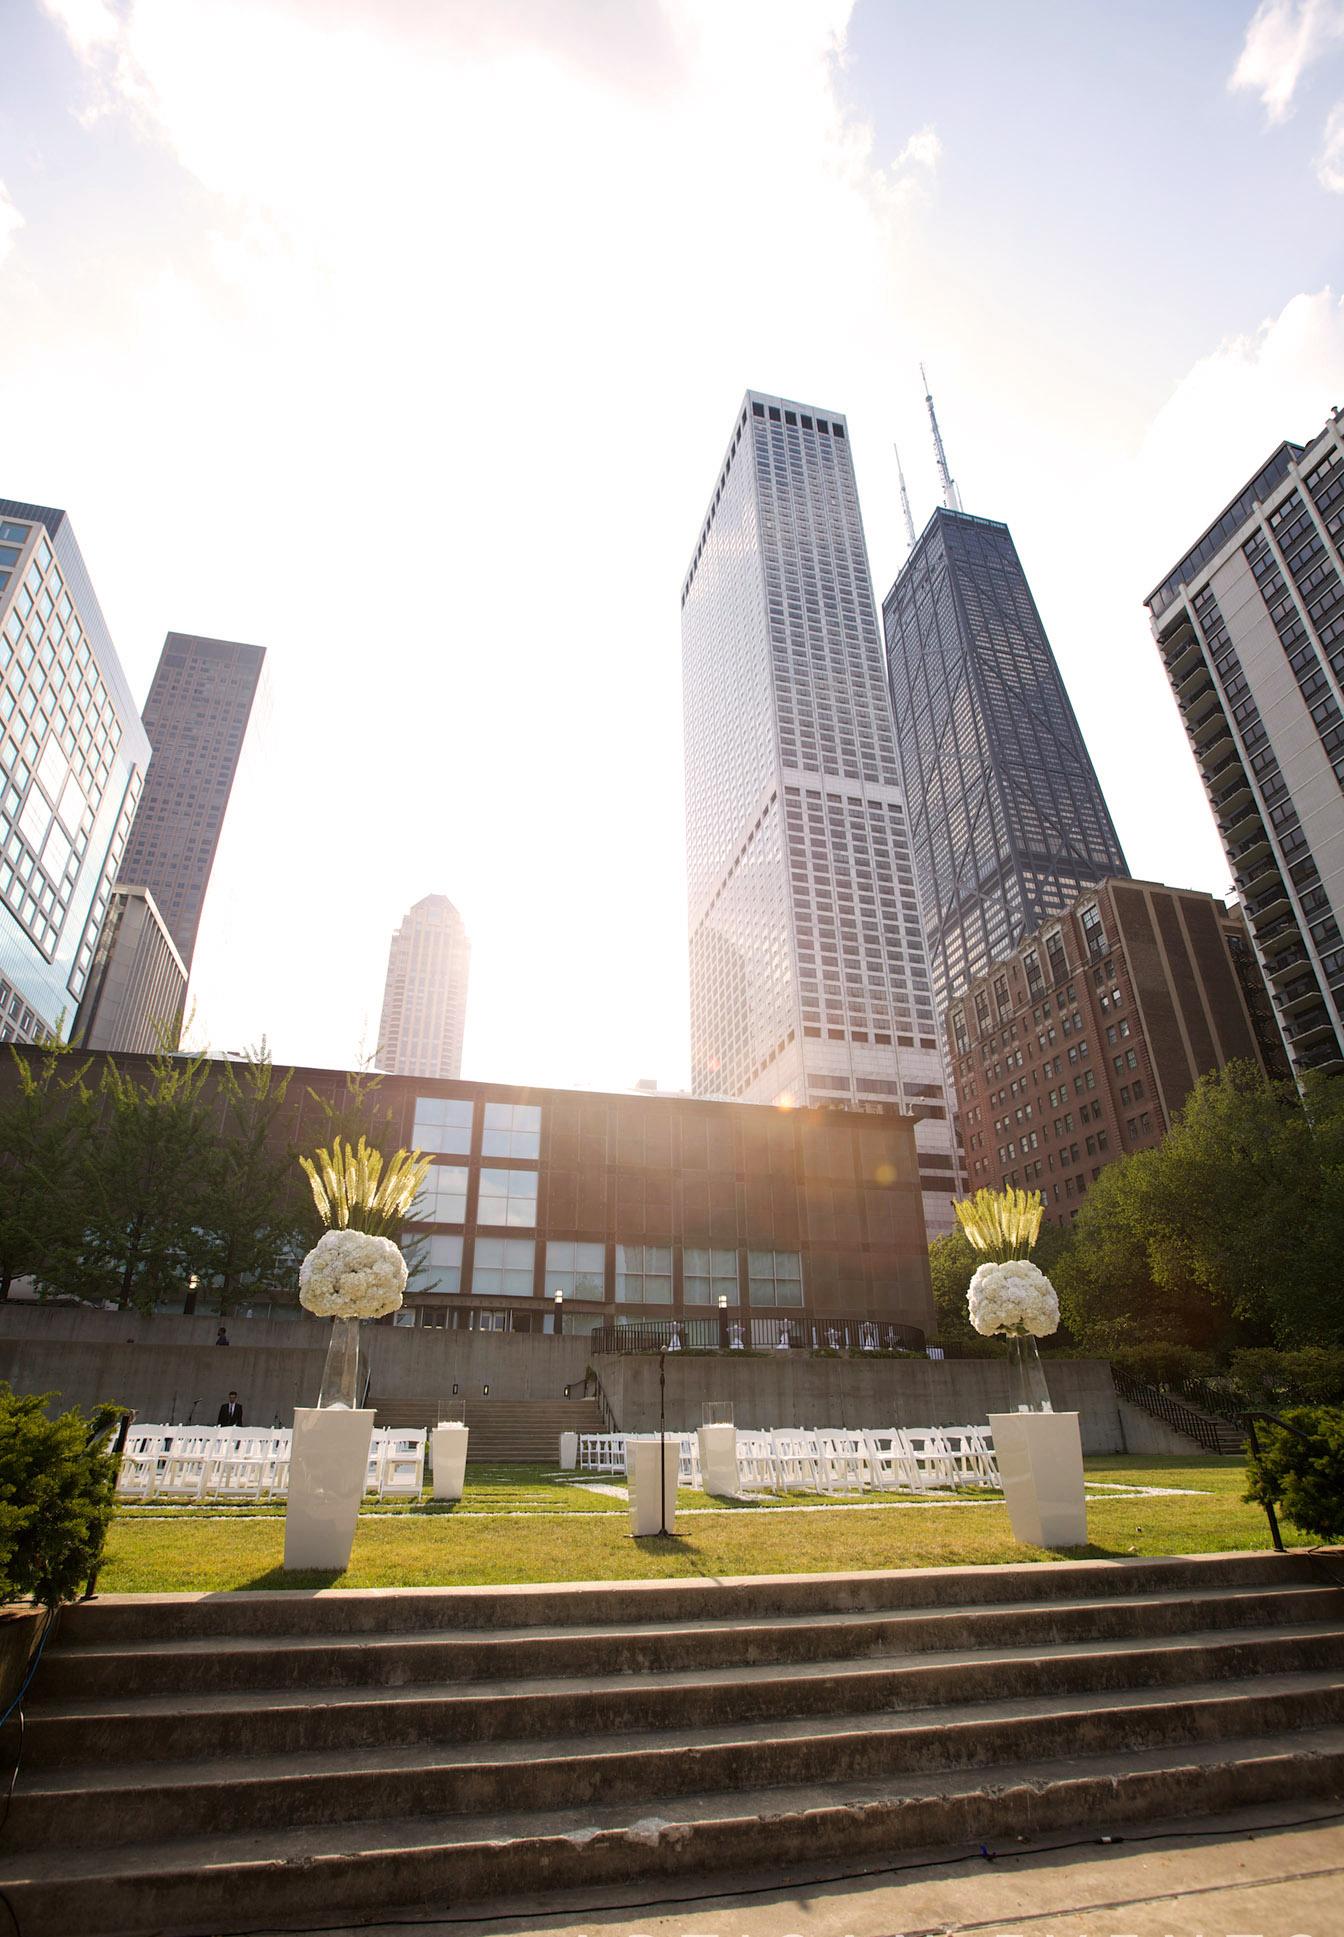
[{"x": 738, "y": 1331}]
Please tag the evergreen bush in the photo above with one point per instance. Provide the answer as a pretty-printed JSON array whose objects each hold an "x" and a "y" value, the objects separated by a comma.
[
  {"x": 57, "y": 1485},
  {"x": 1303, "y": 1477}
]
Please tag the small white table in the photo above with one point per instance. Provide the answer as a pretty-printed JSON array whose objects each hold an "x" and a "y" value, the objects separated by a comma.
[
  {"x": 641, "y": 1472},
  {"x": 718, "y": 1460},
  {"x": 448, "y": 1457},
  {"x": 328, "y": 1471}
]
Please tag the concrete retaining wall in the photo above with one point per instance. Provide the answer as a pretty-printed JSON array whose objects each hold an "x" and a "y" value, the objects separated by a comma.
[
  {"x": 795, "y": 1390},
  {"x": 170, "y": 1368}
]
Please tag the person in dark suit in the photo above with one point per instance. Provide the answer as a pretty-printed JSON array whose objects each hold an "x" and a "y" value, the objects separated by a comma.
[{"x": 231, "y": 1413}]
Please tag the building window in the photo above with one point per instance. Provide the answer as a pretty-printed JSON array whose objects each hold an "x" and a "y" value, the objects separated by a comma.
[
  {"x": 775, "y": 1277},
  {"x": 1093, "y": 932},
  {"x": 1054, "y": 949},
  {"x": 502, "y": 1267},
  {"x": 443, "y": 1123},
  {"x": 643, "y": 1274},
  {"x": 508, "y": 1197},
  {"x": 708, "y": 1276},
  {"x": 440, "y": 1268},
  {"x": 1031, "y": 962},
  {"x": 512, "y": 1130},
  {"x": 579, "y": 1270},
  {"x": 443, "y": 1200}
]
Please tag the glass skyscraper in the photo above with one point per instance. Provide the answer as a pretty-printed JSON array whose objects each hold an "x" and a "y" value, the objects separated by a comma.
[
  {"x": 72, "y": 760},
  {"x": 1250, "y": 626},
  {"x": 425, "y": 996},
  {"x": 809, "y": 978},
  {"x": 1007, "y": 819}
]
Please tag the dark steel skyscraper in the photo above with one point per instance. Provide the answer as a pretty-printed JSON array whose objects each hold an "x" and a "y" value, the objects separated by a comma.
[
  {"x": 196, "y": 716},
  {"x": 1007, "y": 820}
]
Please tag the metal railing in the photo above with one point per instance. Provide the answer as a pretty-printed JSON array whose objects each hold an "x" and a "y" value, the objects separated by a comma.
[
  {"x": 736, "y": 1331},
  {"x": 1211, "y": 1434}
]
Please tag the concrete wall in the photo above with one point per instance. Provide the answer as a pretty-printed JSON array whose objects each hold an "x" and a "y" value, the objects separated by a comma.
[
  {"x": 169, "y": 1368},
  {"x": 795, "y": 1390}
]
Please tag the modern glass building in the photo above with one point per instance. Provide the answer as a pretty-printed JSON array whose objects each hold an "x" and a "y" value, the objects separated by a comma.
[
  {"x": 1007, "y": 820},
  {"x": 809, "y": 977},
  {"x": 197, "y": 715},
  {"x": 1250, "y": 626},
  {"x": 73, "y": 756},
  {"x": 425, "y": 996}
]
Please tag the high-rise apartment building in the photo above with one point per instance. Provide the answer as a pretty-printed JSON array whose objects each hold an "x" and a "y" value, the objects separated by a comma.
[
  {"x": 1082, "y": 1044},
  {"x": 809, "y": 978},
  {"x": 137, "y": 989},
  {"x": 1250, "y": 626},
  {"x": 1007, "y": 820},
  {"x": 197, "y": 715},
  {"x": 73, "y": 756},
  {"x": 425, "y": 997}
]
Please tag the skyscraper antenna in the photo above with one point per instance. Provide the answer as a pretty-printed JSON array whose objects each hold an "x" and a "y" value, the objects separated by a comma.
[
  {"x": 951, "y": 495},
  {"x": 905, "y": 501}
]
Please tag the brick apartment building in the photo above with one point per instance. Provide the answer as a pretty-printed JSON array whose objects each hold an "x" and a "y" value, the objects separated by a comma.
[{"x": 1082, "y": 1045}]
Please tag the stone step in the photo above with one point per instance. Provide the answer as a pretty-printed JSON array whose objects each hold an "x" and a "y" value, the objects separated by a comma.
[
  {"x": 168, "y": 1727},
  {"x": 232, "y": 1796},
  {"x": 201, "y": 1885},
  {"x": 368, "y": 1611},
  {"x": 284, "y": 1662}
]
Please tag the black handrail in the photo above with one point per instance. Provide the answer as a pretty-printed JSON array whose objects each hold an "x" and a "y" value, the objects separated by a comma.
[
  {"x": 100, "y": 1431},
  {"x": 1207, "y": 1433},
  {"x": 748, "y": 1331}
]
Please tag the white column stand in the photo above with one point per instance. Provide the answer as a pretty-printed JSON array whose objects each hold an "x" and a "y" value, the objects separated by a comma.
[
  {"x": 718, "y": 1460},
  {"x": 641, "y": 1471},
  {"x": 448, "y": 1457},
  {"x": 1040, "y": 1460},
  {"x": 328, "y": 1468},
  {"x": 569, "y": 1452}
]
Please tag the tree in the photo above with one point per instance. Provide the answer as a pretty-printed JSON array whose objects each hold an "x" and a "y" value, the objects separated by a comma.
[
  {"x": 57, "y": 1481},
  {"x": 1227, "y": 1233},
  {"x": 43, "y": 1121},
  {"x": 253, "y": 1213},
  {"x": 139, "y": 1183}
]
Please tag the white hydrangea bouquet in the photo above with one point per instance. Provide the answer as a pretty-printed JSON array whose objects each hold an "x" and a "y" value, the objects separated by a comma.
[
  {"x": 355, "y": 1271},
  {"x": 1009, "y": 1296}
]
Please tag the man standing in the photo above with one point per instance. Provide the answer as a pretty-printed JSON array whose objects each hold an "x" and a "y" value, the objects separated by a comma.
[{"x": 231, "y": 1413}]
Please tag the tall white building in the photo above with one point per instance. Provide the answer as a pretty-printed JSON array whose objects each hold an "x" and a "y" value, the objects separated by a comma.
[
  {"x": 809, "y": 973},
  {"x": 425, "y": 997},
  {"x": 1250, "y": 625}
]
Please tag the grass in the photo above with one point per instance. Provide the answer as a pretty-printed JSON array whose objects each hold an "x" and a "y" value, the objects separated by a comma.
[{"x": 517, "y": 1524}]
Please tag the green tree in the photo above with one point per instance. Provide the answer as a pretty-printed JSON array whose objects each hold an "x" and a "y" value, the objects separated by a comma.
[
  {"x": 253, "y": 1213},
  {"x": 44, "y": 1119},
  {"x": 140, "y": 1188},
  {"x": 1301, "y": 1471}
]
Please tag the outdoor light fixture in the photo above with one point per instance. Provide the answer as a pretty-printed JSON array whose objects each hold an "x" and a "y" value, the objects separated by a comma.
[
  {"x": 454, "y": 1388},
  {"x": 485, "y": 1392},
  {"x": 559, "y": 1312},
  {"x": 723, "y": 1301}
]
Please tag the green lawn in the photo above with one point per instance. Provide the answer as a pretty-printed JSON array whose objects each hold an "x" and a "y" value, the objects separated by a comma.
[{"x": 517, "y": 1524}]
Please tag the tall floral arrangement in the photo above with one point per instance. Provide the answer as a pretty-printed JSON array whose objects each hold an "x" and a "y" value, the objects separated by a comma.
[
  {"x": 1009, "y": 1296},
  {"x": 355, "y": 1270}
]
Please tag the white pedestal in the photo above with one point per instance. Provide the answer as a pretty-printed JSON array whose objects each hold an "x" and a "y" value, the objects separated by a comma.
[
  {"x": 448, "y": 1457},
  {"x": 718, "y": 1460},
  {"x": 641, "y": 1471},
  {"x": 569, "y": 1452},
  {"x": 1040, "y": 1459},
  {"x": 328, "y": 1469}
]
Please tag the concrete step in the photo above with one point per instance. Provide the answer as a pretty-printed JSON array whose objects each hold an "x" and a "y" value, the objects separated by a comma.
[
  {"x": 231, "y": 1795},
  {"x": 581, "y": 1604},
  {"x": 202, "y": 1886},
  {"x": 503, "y": 1431},
  {"x": 287, "y": 1662},
  {"x": 170, "y": 1728}
]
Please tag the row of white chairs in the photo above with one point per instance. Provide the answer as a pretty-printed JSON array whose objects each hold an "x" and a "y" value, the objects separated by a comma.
[
  {"x": 908, "y": 1459},
  {"x": 234, "y": 1463}
]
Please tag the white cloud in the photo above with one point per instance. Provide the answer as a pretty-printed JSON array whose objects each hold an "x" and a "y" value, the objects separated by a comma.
[
  {"x": 1330, "y": 161},
  {"x": 10, "y": 222},
  {"x": 923, "y": 149},
  {"x": 1284, "y": 38}
]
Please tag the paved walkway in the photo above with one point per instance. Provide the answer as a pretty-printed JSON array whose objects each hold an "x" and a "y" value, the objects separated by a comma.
[{"x": 1251, "y": 1875}]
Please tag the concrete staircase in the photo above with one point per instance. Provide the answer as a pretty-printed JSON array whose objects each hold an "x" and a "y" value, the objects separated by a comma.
[
  {"x": 216, "y": 1763},
  {"x": 505, "y": 1431}
]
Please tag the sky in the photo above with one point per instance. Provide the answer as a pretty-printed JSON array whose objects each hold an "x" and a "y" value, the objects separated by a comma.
[{"x": 404, "y": 337}]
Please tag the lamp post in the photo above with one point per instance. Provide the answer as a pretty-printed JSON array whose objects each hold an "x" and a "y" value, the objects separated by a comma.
[
  {"x": 723, "y": 1321},
  {"x": 190, "y": 1304},
  {"x": 559, "y": 1313}
]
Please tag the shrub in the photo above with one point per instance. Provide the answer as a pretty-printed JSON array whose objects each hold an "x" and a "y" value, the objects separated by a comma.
[
  {"x": 1304, "y": 1477},
  {"x": 1163, "y": 1362},
  {"x": 56, "y": 1498},
  {"x": 1310, "y": 1376}
]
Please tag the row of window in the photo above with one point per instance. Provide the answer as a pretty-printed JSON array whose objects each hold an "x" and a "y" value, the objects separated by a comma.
[{"x": 505, "y": 1267}]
